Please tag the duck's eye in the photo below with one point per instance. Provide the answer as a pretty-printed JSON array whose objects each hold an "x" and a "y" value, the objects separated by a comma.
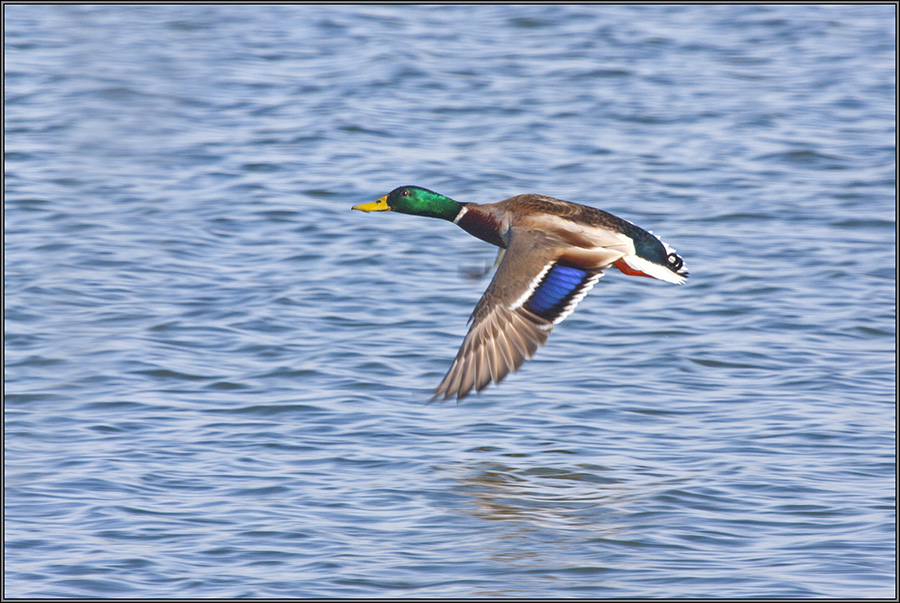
[
  {"x": 675, "y": 262},
  {"x": 404, "y": 193}
]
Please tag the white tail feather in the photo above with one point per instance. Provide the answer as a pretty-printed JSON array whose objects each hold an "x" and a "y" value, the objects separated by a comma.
[{"x": 636, "y": 262}]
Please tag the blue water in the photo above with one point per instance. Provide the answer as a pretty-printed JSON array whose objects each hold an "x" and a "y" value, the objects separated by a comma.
[{"x": 216, "y": 374}]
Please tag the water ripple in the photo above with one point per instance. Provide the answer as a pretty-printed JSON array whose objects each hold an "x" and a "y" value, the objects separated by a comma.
[{"x": 216, "y": 374}]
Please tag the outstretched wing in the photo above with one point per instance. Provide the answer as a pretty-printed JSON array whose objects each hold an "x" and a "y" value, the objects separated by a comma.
[{"x": 532, "y": 290}]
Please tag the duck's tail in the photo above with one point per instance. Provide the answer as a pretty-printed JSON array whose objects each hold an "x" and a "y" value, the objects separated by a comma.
[{"x": 667, "y": 266}]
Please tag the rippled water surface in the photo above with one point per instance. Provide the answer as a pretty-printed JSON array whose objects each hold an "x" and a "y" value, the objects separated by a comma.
[{"x": 216, "y": 374}]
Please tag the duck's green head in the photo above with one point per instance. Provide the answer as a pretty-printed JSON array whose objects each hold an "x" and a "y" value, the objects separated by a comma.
[{"x": 417, "y": 201}]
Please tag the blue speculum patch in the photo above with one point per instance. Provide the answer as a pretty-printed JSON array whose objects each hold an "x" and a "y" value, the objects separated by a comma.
[{"x": 555, "y": 290}]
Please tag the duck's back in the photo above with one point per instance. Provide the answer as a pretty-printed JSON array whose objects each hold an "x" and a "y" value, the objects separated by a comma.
[
  {"x": 586, "y": 226},
  {"x": 531, "y": 204}
]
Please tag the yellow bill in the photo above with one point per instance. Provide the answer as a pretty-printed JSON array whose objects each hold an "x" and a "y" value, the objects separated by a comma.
[{"x": 377, "y": 205}]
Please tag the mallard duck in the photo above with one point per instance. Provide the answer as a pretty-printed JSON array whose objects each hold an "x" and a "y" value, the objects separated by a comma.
[{"x": 551, "y": 254}]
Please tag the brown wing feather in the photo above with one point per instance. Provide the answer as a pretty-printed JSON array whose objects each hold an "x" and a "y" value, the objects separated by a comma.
[
  {"x": 490, "y": 354},
  {"x": 502, "y": 339}
]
